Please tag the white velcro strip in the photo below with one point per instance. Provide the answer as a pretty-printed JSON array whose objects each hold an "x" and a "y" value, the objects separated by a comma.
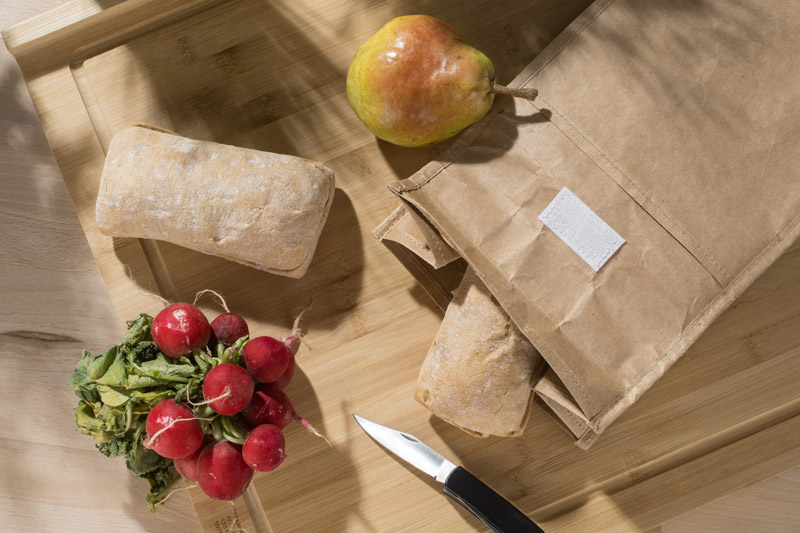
[{"x": 581, "y": 229}]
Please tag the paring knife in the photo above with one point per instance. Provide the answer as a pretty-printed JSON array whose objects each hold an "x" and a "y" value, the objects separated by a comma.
[{"x": 493, "y": 510}]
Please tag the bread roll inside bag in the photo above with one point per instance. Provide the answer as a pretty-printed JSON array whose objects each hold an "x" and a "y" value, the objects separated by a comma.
[
  {"x": 480, "y": 370},
  {"x": 261, "y": 209}
]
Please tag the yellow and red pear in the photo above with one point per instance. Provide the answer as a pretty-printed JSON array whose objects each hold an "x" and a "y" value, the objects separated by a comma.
[{"x": 417, "y": 82}]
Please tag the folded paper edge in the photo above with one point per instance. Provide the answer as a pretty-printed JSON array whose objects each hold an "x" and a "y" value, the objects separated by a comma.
[{"x": 409, "y": 229}]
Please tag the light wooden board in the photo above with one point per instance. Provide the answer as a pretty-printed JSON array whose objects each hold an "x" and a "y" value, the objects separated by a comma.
[{"x": 271, "y": 76}]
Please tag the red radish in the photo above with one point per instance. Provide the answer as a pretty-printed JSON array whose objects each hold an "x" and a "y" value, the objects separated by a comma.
[
  {"x": 286, "y": 377},
  {"x": 187, "y": 466},
  {"x": 228, "y": 328},
  {"x": 172, "y": 430},
  {"x": 265, "y": 448},
  {"x": 266, "y": 358},
  {"x": 269, "y": 405},
  {"x": 233, "y": 386},
  {"x": 179, "y": 328},
  {"x": 221, "y": 471},
  {"x": 292, "y": 343}
]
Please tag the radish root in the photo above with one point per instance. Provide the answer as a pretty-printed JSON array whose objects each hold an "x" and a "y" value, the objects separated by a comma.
[
  {"x": 173, "y": 491},
  {"x": 219, "y": 298},
  {"x": 293, "y": 340},
  {"x": 212, "y": 400},
  {"x": 306, "y": 424},
  {"x": 235, "y": 521}
]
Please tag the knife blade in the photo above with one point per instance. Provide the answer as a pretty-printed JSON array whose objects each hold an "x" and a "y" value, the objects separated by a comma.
[{"x": 492, "y": 509}]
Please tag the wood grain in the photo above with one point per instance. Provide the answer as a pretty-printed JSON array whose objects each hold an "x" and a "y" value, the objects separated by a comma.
[
  {"x": 270, "y": 76},
  {"x": 54, "y": 304}
]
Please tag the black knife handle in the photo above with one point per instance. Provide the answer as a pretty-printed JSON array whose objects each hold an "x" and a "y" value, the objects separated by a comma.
[{"x": 493, "y": 510}]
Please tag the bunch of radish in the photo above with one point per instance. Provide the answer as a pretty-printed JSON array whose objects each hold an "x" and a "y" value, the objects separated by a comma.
[{"x": 236, "y": 429}]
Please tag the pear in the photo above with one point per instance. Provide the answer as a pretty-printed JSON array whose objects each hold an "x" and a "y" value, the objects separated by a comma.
[{"x": 417, "y": 82}]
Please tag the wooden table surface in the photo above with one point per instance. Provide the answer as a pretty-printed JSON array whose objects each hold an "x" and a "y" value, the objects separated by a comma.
[{"x": 55, "y": 303}]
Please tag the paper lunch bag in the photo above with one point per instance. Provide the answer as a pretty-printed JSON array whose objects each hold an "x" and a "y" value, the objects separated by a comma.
[{"x": 675, "y": 124}]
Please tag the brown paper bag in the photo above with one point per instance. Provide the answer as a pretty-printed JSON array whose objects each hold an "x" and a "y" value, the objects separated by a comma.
[{"x": 676, "y": 124}]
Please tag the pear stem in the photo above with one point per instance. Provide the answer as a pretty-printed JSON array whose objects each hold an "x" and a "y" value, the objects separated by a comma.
[{"x": 521, "y": 92}]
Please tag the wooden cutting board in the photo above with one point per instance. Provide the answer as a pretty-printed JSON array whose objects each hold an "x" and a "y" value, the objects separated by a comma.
[{"x": 270, "y": 75}]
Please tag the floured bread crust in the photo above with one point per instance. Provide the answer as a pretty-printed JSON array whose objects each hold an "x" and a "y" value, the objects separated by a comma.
[
  {"x": 261, "y": 209},
  {"x": 479, "y": 372}
]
